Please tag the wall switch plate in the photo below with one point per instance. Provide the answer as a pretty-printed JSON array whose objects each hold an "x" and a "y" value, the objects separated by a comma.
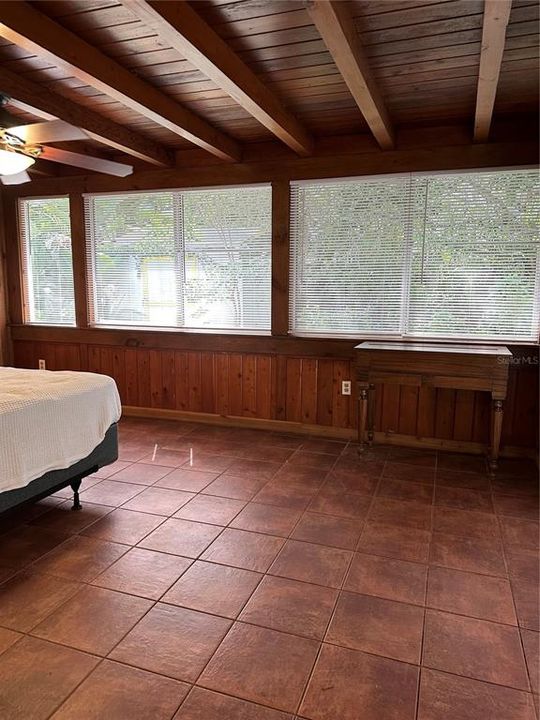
[
  {"x": 41, "y": 365},
  {"x": 346, "y": 387}
]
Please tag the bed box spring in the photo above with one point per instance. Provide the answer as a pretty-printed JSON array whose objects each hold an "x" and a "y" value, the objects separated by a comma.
[{"x": 104, "y": 454}]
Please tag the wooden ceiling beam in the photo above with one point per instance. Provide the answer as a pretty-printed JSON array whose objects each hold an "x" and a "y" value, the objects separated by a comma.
[
  {"x": 496, "y": 16},
  {"x": 46, "y": 104},
  {"x": 181, "y": 27},
  {"x": 336, "y": 27},
  {"x": 30, "y": 29}
]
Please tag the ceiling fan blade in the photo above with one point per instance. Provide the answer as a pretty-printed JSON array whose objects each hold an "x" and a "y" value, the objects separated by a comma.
[
  {"x": 67, "y": 157},
  {"x": 17, "y": 179},
  {"x": 51, "y": 131}
]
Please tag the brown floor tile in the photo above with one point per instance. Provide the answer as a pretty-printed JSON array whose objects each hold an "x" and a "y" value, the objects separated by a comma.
[
  {"x": 522, "y": 533},
  {"x": 464, "y": 480},
  {"x": 28, "y": 598},
  {"x": 346, "y": 505},
  {"x": 270, "y": 453},
  {"x": 143, "y": 572},
  {"x": 63, "y": 520},
  {"x": 391, "y": 579},
  {"x": 80, "y": 558},
  {"x": 312, "y": 563},
  {"x": 159, "y": 501},
  {"x": 525, "y": 508},
  {"x": 462, "y": 463},
  {"x": 247, "y": 550},
  {"x": 181, "y": 537},
  {"x": 306, "y": 477},
  {"x": 404, "y": 471},
  {"x": 172, "y": 641},
  {"x": 118, "y": 692},
  {"x": 8, "y": 638},
  {"x": 253, "y": 469},
  {"x": 37, "y": 676},
  {"x": 467, "y": 553},
  {"x": 207, "y": 705},
  {"x": 379, "y": 626},
  {"x": 474, "y": 648},
  {"x": 111, "y": 469},
  {"x": 285, "y": 494},
  {"x": 445, "y": 696},
  {"x": 211, "y": 509},
  {"x": 394, "y": 541},
  {"x": 350, "y": 685},
  {"x": 405, "y": 490},
  {"x": 266, "y": 519},
  {"x": 110, "y": 492},
  {"x": 403, "y": 513},
  {"x": 207, "y": 462},
  {"x": 463, "y": 499},
  {"x": 466, "y": 523},
  {"x": 315, "y": 460},
  {"x": 211, "y": 588},
  {"x": 124, "y": 526},
  {"x": 132, "y": 451},
  {"x": 350, "y": 482},
  {"x": 517, "y": 486},
  {"x": 261, "y": 665},
  {"x": 167, "y": 457},
  {"x": 141, "y": 474},
  {"x": 412, "y": 456},
  {"x": 93, "y": 620},
  {"x": 531, "y": 646},
  {"x": 26, "y": 544},
  {"x": 238, "y": 488},
  {"x": 187, "y": 479},
  {"x": 527, "y": 600},
  {"x": 478, "y": 596},
  {"x": 328, "y": 530},
  {"x": 523, "y": 563},
  {"x": 291, "y": 606},
  {"x": 320, "y": 445}
]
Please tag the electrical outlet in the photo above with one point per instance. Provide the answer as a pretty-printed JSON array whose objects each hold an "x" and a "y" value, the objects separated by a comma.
[
  {"x": 346, "y": 387},
  {"x": 41, "y": 364}
]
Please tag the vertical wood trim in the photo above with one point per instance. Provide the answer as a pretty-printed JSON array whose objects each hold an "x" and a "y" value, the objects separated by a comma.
[
  {"x": 280, "y": 257},
  {"x": 78, "y": 250},
  {"x": 5, "y": 346},
  {"x": 13, "y": 261}
]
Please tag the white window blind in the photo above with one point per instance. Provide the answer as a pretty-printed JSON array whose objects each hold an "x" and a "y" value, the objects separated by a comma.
[
  {"x": 47, "y": 263},
  {"x": 449, "y": 256},
  {"x": 195, "y": 259}
]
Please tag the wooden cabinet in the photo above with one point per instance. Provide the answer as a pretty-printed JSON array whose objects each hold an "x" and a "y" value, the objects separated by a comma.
[{"x": 459, "y": 367}]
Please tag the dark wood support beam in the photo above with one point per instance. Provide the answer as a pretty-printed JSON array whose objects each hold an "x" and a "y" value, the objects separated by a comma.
[
  {"x": 338, "y": 32},
  {"x": 179, "y": 26},
  {"x": 280, "y": 257},
  {"x": 78, "y": 250},
  {"x": 39, "y": 100},
  {"x": 496, "y": 16},
  {"x": 30, "y": 29}
]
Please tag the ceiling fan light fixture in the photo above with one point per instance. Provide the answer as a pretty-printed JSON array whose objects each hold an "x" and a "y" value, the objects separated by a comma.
[{"x": 12, "y": 162}]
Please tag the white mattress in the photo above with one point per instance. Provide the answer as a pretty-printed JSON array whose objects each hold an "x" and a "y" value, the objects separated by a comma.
[{"x": 51, "y": 420}]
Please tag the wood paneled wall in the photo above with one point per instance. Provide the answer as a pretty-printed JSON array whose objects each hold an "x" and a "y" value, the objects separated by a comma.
[{"x": 295, "y": 389}]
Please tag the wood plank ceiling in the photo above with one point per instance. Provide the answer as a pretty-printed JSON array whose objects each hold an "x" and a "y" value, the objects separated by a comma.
[{"x": 424, "y": 57}]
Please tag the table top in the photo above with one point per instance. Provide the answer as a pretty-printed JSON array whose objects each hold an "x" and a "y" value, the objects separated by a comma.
[{"x": 496, "y": 350}]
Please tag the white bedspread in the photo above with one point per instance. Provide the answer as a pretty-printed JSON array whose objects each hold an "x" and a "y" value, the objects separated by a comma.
[{"x": 51, "y": 420}]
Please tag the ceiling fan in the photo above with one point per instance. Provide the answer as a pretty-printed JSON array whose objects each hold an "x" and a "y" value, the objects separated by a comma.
[{"x": 22, "y": 145}]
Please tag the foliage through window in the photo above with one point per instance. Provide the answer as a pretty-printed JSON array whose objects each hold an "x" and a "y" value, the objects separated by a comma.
[
  {"x": 194, "y": 258},
  {"x": 46, "y": 253},
  {"x": 453, "y": 256}
]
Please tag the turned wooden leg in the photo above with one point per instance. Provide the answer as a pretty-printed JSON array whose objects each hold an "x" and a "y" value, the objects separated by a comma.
[
  {"x": 362, "y": 418},
  {"x": 370, "y": 414},
  {"x": 496, "y": 428}
]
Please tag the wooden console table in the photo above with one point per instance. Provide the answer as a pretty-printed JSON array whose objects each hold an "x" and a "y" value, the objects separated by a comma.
[{"x": 457, "y": 367}]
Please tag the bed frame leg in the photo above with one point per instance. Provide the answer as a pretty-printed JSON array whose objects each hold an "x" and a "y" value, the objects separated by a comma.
[{"x": 75, "y": 485}]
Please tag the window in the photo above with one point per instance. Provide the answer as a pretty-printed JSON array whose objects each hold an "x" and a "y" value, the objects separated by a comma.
[
  {"x": 449, "y": 256},
  {"x": 195, "y": 259},
  {"x": 46, "y": 254}
]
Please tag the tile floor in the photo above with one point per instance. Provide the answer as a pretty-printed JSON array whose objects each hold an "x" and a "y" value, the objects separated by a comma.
[{"x": 218, "y": 573}]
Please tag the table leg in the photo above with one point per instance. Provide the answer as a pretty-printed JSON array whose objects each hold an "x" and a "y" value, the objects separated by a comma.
[
  {"x": 362, "y": 417},
  {"x": 370, "y": 414},
  {"x": 496, "y": 428}
]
